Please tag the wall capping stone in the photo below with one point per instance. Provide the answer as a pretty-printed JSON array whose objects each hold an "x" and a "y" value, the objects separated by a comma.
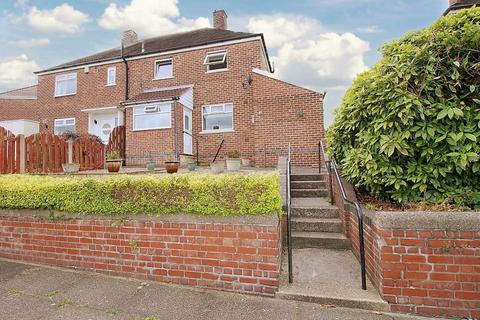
[
  {"x": 260, "y": 220},
  {"x": 425, "y": 220}
]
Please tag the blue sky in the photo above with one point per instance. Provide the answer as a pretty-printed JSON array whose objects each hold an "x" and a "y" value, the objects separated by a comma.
[{"x": 321, "y": 44}]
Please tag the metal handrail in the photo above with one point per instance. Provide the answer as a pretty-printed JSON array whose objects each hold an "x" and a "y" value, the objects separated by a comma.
[
  {"x": 331, "y": 166},
  {"x": 218, "y": 151},
  {"x": 289, "y": 214}
]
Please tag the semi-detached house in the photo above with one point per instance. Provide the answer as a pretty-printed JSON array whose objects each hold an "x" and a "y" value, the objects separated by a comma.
[{"x": 183, "y": 93}]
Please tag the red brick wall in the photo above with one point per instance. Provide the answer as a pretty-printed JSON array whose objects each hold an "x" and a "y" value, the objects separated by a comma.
[
  {"x": 18, "y": 109},
  {"x": 420, "y": 269},
  {"x": 92, "y": 92},
  {"x": 223, "y": 255}
]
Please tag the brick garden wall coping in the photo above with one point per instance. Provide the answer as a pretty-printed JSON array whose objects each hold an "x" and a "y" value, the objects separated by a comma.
[
  {"x": 466, "y": 221},
  {"x": 263, "y": 220}
]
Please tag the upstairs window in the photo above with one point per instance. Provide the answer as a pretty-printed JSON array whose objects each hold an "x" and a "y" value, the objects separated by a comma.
[
  {"x": 152, "y": 116},
  {"x": 64, "y": 125},
  {"x": 217, "y": 117},
  {"x": 66, "y": 84},
  {"x": 164, "y": 69},
  {"x": 216, "y": 61},
  {"x": 111, "y": 76}
]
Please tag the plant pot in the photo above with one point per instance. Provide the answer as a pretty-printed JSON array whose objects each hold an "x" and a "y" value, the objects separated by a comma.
[
  {"x": 151, "y": 166},
  {"x": 172, "y": 166},
  {"x": 71, "y": 167},
  {"x": 217, "y": 167},
  {"x": 192, "y": 166},
  {"x": 246, "y": 162},
  {"x": 233, "y": 164},
  {"x": 114, "y": 165}
]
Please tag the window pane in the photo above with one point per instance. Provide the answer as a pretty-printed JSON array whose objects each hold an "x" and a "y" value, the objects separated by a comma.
[
  {"x": 151, "y": 121},
  {"x": 111, "y": 75},
  {"x": 64, "y": 128},
  {"x": 220, "y": 121},
  {"x": 164, "y": 69},
  {"x": 218, "y": 66},
  {"x": 66, "y": 84},
  {"x": 217, "y": 108}
]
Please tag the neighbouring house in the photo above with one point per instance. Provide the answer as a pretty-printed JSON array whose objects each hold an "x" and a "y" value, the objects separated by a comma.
[
  {"x": 456, "y": 5},
  {"x": 18, "y": 111},
  {"x": 184, "y": 93}
]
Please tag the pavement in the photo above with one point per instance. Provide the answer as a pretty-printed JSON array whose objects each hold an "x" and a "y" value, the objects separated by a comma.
[{"x": 37, "y": 292}]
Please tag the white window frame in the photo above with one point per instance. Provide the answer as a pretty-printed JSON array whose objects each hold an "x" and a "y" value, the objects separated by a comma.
[
  {"x": 155, "y": 77},
  {"x": 64, "y": 120},
  {"x": 114, "y": 69},
  {"x": 152, "y": 108},
  {"x": 224, "y": 107},
  {"x": 64, "y": 77},
  {"x": 207, "y": 63}
]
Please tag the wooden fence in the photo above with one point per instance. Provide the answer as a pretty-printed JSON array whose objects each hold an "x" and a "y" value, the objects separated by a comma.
[
  {"x": 9, "y": 152},
  {"x": 116, "y": 142},
  {"x": 45, "y": 153},
  {"x": 89, "y": 152}
]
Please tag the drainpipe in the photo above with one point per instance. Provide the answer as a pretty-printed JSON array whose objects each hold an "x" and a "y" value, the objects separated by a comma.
[{"x": 126, "y": 98}]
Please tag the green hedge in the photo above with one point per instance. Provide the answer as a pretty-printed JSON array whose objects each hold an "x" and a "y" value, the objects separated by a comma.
[
  {"x": 409, "y": 128},
  {"x": 203, "y": 194}
]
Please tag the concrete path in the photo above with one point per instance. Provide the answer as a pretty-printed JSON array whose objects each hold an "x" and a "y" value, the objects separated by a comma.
[{"x": 34, "y": 292}]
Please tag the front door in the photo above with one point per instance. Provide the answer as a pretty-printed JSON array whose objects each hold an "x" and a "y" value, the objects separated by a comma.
[
  {"x": 187, "y": 131},
  {"x": 105, "y": 127}
]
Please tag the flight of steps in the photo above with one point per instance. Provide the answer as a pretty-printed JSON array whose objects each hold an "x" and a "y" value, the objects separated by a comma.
[
  {"x": 324, "y": 271},
  {"x": 315, "y": 223}
]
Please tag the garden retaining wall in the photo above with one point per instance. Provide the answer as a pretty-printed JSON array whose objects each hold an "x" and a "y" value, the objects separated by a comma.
[
  {"x": 240, "y": 254},
  {"x": 426, "y": 263}
]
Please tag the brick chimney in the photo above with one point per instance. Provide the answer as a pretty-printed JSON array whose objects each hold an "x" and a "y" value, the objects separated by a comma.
[
  {"x": 129, "y": 37},
  {"x": 220, "y": 19}
]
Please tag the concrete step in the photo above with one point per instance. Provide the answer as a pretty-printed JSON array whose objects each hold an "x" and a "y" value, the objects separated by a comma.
[
  {"x": 328, "y": 277},
  {"x": 313, "y": 208},
  {"x": 317, "y": 225},
  {"x": 327, "y": 240},
  {"x": 306, "y": 177},
  {"x": 308, "y": 185},
  {"x": 309, "y": 193}
]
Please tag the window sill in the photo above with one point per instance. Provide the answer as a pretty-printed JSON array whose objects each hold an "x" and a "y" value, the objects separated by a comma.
[
  {"x": 215, "y": 71},
  {"x": 110, "y": 85},
  {"x": 150, "y": 129},
  {"x": 217, "y": 131},
  {"x": 166, "y": 78},
  {"x": 65, "y": 95}
]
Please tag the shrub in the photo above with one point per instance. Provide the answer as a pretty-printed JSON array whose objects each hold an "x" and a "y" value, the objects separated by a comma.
[
  {"x": 409, "y": 128},
  {"x": 203, "y": 194}
]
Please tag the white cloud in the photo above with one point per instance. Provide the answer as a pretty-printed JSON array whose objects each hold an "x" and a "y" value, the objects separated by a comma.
[
  {"x": 34, "y": 42},
  {"x": 61, "y": 20},
  {"x": 370, "y": 29},
  {"x": 17, "y": 72},
  {"x": 149, "y": 18},
  {"x": 307, "y": 54}
]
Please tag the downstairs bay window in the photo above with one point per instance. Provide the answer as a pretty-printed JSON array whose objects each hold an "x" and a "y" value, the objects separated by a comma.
[
  {"x": 217, "y": 118},
  {"x": 152, "y": 116}
]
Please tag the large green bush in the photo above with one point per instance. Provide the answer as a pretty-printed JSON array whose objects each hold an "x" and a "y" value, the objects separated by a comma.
[
  {"x": 409, "y": 128},
  {"x": 202, "y": 194}
]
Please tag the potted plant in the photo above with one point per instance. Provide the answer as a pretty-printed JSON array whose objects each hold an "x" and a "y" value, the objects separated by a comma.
[
  {"x": 70, "y": 166},
  {"x": 172, "y": 166},
  {"x": 192, "y": 166},
  {"x": 150, "y": 163},
  {"x": 114, "y": 161},
  {"x": 233, "y": 160},
  {"x": 246, "y": 162}
]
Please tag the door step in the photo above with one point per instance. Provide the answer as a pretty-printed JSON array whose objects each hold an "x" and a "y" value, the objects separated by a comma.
[
  {"x": 317, "y": 224},
  {"x": 326, "y": 240},
  {"x": 306, "y": 177}
]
